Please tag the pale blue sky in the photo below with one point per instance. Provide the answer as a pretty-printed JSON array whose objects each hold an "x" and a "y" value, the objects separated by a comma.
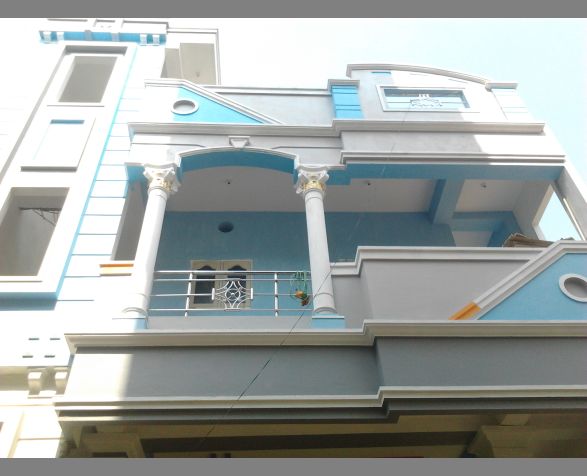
[{"x": 548, "y": 58}]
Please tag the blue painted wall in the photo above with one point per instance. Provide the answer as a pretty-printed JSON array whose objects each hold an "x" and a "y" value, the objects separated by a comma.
[
  {"x": 211, "y": 111},
  {"x": 347, "y": 104},
  {"x": 278, "y": 241},
  {"x": 346, "y": 231},
  {"x": 541, "y": 298}
]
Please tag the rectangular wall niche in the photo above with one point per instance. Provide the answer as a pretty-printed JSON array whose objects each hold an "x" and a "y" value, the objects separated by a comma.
[
  {"x": 62, "y": 145},
  {"x": 87, "y": 79},
  {"x": 26, "y": 227}
]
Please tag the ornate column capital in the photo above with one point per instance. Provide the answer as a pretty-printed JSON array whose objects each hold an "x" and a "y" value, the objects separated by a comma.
[
  {"x": 312, "y": 178},
  {"x": 162, "y": 177}
]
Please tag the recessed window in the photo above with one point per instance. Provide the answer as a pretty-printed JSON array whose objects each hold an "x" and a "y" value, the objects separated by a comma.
[
  {"x": 424, "y": 99},
  {"x": 185, "y": 106},
  {"x": 26, "y": 229},
  {"x": 87, "y": 79},
  {"x": 574, "y": 286}
]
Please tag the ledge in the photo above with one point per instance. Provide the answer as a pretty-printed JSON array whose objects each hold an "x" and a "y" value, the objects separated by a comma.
[
  {"x": 70, "y": 403},
  {"x": 402, "y": 253},
  {"x": 334, "y": 129},
  {"x": 366, "y": 336}
]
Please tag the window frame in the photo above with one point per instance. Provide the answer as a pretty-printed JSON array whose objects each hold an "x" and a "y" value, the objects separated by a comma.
[
  {"x": 65, "y": 68},
  {"x": 385, "y": 106},
  {"x": 219, "y": 266}
]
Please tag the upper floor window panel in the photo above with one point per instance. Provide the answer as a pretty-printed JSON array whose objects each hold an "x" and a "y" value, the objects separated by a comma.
[
  {"x": 424, "y": 99},
  {"x": 87, "y": 78}
]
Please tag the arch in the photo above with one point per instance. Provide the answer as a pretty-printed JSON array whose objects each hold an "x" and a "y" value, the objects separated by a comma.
[{"x": 237, "y": 157}]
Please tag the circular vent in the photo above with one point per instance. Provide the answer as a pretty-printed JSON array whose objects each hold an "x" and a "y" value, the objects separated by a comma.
[
  {"x": 184, "y": 106},
  {"x": 574, "y": 286},
  {"x": 225, "y": 227}
]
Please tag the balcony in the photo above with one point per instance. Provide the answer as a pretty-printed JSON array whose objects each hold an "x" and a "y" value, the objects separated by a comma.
[{"x": 205, "y": 292}]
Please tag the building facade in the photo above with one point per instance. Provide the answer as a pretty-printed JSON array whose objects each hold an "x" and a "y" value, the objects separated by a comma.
[{"x": 195, "y": 270}]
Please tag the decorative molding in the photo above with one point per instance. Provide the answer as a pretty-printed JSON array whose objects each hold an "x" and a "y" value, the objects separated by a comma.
[
  {"x": 105, "y": 403},
  {"x": 272, "y": 91},
  {"x": 335, "y": 129},
  {"x": 343, "y": 82},
  {"x": 401, "y": 253},
  {"x": 425, "y": 69},
  {"x": 163, "y": 177},
  {"x": 311, "y": 178},
  {"x": 366, "y": 336},
  {"x": 239, "y": 142},
  {"x": 454, "y": 157}
]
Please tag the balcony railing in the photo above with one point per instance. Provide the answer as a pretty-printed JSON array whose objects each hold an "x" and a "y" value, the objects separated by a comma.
[{"x": 220, "y": 292}]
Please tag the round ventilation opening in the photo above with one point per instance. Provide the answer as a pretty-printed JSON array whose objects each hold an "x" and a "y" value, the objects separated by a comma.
[
  {"x": 574, "y": 286},
  {"x": 184, "y": 106},
  {"x": 225, "y": 227}
]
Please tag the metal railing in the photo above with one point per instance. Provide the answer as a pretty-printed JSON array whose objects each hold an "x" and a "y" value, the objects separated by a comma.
[{"x": 217, "y": 292}]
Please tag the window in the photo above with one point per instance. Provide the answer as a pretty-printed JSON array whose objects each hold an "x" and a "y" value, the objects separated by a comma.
[
  {"x": 26, "y": 229},
  {"x": 87, "y": 78},
  {"x": 219, "y": 285},
  {"x": 424, "y": 99}
]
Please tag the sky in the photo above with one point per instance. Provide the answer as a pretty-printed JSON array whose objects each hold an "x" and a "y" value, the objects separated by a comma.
[{"x": 548, "y": 58}]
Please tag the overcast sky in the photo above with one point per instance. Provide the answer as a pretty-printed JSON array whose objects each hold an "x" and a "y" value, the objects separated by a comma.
[{"x": 548, "y": 58}]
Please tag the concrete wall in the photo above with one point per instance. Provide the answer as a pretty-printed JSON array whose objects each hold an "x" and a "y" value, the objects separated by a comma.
[
  {"x": 424, "y": 285},
  {"x": 121, "y": 373},
  {"x": 290, "y": 108}
]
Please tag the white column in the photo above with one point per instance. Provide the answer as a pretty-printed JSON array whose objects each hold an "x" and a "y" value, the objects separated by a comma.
[
  {"x": 162, "y": 183},
  {"x": 311, "y": 183}
]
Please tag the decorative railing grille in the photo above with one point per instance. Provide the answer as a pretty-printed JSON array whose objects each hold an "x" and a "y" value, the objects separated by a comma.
[{"x": 252, "y": 292}]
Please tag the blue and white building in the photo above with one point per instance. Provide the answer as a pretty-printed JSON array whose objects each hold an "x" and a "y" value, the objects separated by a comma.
[{"x": 190, "y": 269}]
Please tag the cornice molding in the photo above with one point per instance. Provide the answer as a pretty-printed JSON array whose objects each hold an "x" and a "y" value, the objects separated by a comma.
[
  {"x": 430, "y": 70},
  {"x": 400, "y": 253},
  {"x": 366, "y": 336},
  {"x": 107, "y": 403},
  {"x": 336, "y": 128}
]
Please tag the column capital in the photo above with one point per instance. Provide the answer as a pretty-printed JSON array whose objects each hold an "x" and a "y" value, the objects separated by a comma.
[
  {"x": 311, "y": 178},
  {"x": 162, "y": 177}
]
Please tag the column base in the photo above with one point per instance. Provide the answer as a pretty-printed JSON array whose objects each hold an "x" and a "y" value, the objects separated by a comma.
[{"x": 327, "y": 321}]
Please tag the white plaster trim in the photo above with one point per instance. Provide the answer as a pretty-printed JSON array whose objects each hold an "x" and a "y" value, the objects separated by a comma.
[
  {"x": 343, "y": 82},
  {"x": 98, "y": 403},
  {"x": 561, "y": 283},
  {"x": 422, "y": 69},
  {"x": 327, "y": 337},
  {"x": 400, "y": 253},
  {"x": 455, "y": 157},
  {"x": 211, "y": 95},
  {"x": 490, "y": 85},
  {"x": 510, "y": 284},
  {"x": 337, "y": 126},
  {"x": 269, "y": 91}
]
